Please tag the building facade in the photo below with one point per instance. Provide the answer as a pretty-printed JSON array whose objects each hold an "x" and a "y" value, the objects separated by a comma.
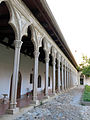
[
  {"x": 34, "y": 57},
  {"x": 83, "y": 80}
]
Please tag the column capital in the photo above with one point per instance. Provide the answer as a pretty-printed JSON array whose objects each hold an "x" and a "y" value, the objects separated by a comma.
[
  {"x": 58, "y": 56},
  {"x": 54, "y": 60},
  {"x": 63, "y": 60},
  {"x": 58, "y": 64},
  {"x": 46, "y": 56},
  {"x": 47, "y": 48},
  {"x": 54, "y": 55},
  {"x": 36, "y": 53},
  {"x": 36, "y": 36},
  {"x": 18, "y": 43},
  {"x": 47, "y": 45},
  {"x": 54, "y": 52},
  {"x": 65, "y": 63}
]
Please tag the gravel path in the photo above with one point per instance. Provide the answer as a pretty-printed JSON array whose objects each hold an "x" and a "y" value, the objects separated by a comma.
[{"x": 64, "y": 107}]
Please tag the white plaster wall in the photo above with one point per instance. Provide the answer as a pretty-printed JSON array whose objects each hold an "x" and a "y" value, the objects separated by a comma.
[
  {"x": 6, "y": 69},
  {"x": 26, "y": 67}
]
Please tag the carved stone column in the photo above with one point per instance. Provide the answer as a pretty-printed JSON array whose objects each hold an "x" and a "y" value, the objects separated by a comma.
[
  {"x": 13, "y": 102},
  {"x": 58, "y": 60},
  {"x": 62, "y": 75},
  {"x": 54, "y": 63},
  {"x": 72, "y": 78},
  {"x": 47, "y": 72},
  {"x": 47, "y": 48},
  {"x": 69, "y": 78},
  {"x": 36, "y": 38},
  {"x": 36, "y": 55},
  {"x": 65, "y": 76}
]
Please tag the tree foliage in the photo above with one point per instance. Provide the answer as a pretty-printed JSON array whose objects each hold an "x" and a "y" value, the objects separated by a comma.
[{"x": 84, "y": 67}]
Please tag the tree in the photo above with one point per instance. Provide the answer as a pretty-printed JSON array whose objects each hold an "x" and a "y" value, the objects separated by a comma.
[{"x": 84, "y": 67}]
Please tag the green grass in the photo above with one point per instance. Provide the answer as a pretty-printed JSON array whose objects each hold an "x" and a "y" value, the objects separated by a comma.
[{"x": 86, "y": 94}]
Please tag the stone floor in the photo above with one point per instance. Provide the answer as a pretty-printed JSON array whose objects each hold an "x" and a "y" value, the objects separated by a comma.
[
  {"x": 22, "y": 102},
  {"x": 64, "y": 107}
]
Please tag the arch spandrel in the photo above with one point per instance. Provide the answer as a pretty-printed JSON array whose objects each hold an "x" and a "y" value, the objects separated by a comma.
[
  {"x": 47, "y": 45},
  {"x": 36, "y": 37},
  {"x": 54, "y": 52}
]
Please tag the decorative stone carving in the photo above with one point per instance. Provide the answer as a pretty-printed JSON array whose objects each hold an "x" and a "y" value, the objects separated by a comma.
[
  {"x": 18, "y": 43},
  {"x": 53, "y": 62},
  {"x": 47, "y": 45},
  {"x": 36, "y": 37},
  {"x": 59, "y": 81},
  {"x": 54, "y": 54},
  {"x": 58, "y": 56},
  {"x": 47, "y": 48},
  {"x": 36, "y": 53},
  {"x": 63, "y": 60},
  {"x": 20, "y": 23}
]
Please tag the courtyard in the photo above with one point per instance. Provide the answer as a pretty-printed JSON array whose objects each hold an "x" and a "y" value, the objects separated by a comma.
[
  {"x": 39, "y": 77},
  {"x": 65, "y": 106}
]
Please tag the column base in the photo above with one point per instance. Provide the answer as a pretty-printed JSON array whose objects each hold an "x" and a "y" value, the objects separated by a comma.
[
  {"x": 12, "y": 111},
  {"x": 58, "y": 92},
  {"x": 54, "y": 94},
  {"x": 46, "y": 97},
  {"x": 66, "y": 90},
  {"x": 35, "y": 102}
]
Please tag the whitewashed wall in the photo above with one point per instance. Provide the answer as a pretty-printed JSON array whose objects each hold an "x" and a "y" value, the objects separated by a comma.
[{"x": 26, "y": 67}]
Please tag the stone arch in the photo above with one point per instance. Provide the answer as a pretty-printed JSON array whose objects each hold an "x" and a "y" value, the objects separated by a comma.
[
  {"x": 28, "y": 44},
  {"x": 17, "y": 21},
  {"x": 11, "y": 13},
  {"x": 7, "y": 37},
  {"x": 7, "y": 4}
]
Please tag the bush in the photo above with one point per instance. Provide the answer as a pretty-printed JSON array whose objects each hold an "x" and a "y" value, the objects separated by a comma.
[
  {"x": 86, "y": 94},
  {"x": 87, "y": 88}
]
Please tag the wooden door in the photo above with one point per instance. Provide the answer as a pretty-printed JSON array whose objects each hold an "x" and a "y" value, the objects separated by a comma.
[{"x": 18, "y": 86}]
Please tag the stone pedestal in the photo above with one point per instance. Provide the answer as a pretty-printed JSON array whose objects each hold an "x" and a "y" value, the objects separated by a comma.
[
  {"x": 35, "y": 102},
  {"x": 12, "y": 111},
  {"x": 46, "y": 97}
]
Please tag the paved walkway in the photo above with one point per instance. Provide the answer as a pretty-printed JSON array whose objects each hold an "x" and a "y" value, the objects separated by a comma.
[{"x": 64, "y": 107}]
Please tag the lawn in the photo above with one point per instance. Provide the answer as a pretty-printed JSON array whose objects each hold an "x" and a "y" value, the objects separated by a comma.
[{"x": 86, "y": 94}]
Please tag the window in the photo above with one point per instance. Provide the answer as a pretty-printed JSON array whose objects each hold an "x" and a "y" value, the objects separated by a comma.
[
  {"x": 31, "y": 78},
  {"x": 39, "y": 81},
  {"x": 48, "y": 81}
]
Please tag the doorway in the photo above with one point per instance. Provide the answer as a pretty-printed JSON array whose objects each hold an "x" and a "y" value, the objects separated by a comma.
[{"x": 18, "y": 86}]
